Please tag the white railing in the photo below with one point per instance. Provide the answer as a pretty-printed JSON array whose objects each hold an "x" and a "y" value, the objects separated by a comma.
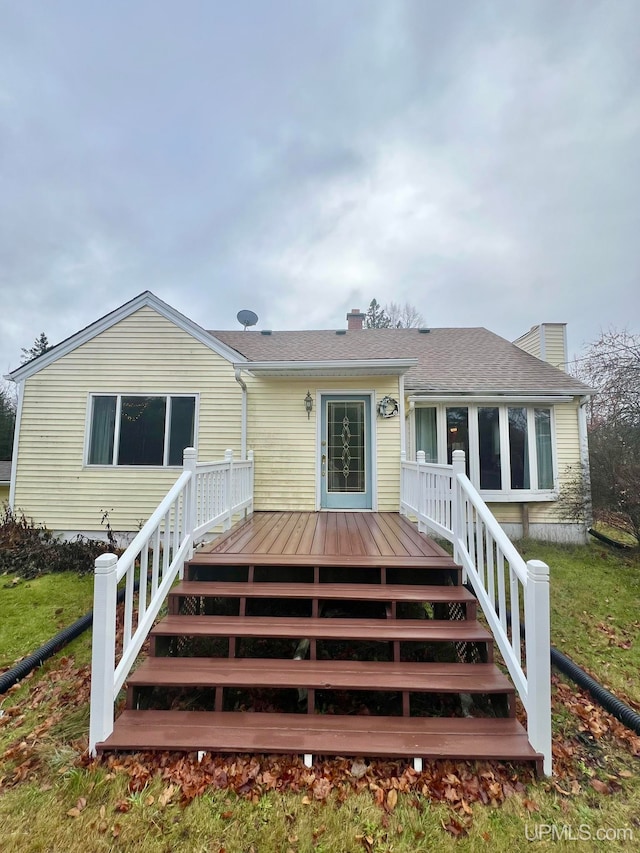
[
  {"x": 514, "y": 595},
  {"x": 205, "y": 496}
]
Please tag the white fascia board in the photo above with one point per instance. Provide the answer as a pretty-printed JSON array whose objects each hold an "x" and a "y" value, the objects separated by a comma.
[
  {"x": 492, "y": 398},
  {"x": 344, "y": 367},
  {"x": 143, "y": 300}
]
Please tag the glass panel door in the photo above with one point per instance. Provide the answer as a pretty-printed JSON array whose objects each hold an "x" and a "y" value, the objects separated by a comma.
[{"x": 346, "y": 452}]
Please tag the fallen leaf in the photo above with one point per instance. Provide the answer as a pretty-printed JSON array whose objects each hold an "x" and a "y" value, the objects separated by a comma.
[
  {"x": 166, "y": 795},
  {"x": 392, "y": 799},
  {"x": 600, "y": 787}
]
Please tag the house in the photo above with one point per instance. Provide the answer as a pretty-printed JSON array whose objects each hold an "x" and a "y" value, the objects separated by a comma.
[
  {"x": 334, "y": 442},
  {"x": 5, "y": 479},
  {"x": 104, "y": 416}
]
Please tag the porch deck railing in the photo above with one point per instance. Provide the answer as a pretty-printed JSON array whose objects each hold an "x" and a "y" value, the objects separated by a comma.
[
  {"x": 513, "y": 594},
  {"x": 205, "y": 496}
]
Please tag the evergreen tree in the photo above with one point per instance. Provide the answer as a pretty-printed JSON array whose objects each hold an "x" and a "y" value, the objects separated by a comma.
[
  {"x": 7, "y": 422},
  {"x": 377, "y": 317},
  {"x": 40, "y": 346}
]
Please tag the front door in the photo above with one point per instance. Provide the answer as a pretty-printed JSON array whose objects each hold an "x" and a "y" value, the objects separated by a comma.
[{"x": 345, "y": 452}]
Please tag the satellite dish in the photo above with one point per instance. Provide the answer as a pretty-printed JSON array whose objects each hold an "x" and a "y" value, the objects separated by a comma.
[{"x": 247, "y": 318}]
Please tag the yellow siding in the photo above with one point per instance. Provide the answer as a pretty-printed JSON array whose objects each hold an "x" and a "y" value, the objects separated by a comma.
[
  {"x": 4, "y": 494},
  {"x": 554, "y": 345},
  {"x": 144, "y": 353},
  {"x": 530, "y": 342},
  {"x": 285, "y": 441}
]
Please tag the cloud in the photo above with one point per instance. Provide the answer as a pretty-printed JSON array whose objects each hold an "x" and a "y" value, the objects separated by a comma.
[{"x": 478, "y": 160}]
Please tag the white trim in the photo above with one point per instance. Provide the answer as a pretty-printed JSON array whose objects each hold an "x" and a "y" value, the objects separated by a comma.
[
  {"x": 508, "y": 398},
  {"x": 506, "y": 494},
  {"x": 342, "y": 367},
  {"x": 143, "y": 300},
  {"x": 116, "y": 438},
  {"x": 401, "y": 416},
  {"x": 16, "y": 446}
]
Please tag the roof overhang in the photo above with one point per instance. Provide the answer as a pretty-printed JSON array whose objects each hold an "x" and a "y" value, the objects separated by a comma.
[
  {"x": 520, "y": 397},
  {"x": 321, "y": 369}
]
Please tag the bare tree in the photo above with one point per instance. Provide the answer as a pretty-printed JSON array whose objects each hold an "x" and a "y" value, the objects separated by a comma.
[
  {"x": 612, "y": 365},
  {"x": 404, "y": 316}
]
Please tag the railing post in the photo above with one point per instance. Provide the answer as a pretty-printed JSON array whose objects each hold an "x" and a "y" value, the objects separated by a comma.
[
  {"x": 538, "y": 652},
  {"x": 251, "y": 480},
  {"x": 103, "y": 649},
  {"x": 228, "y": 457},
  {"x": 456, "y": 509},
  {"x": 189, "y": 462},
  {"x": 421, "y": 492},
  {"x": 403, "y": 483}
]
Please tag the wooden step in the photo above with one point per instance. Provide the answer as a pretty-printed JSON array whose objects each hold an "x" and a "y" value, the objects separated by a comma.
[
  {"x": 331, "y": 560},
  {"x": 457, "y": 738},
  {"x": 325, "y": 591},
  {"x": 288, "y": 627},
  {"x": 321, "y": 675}
]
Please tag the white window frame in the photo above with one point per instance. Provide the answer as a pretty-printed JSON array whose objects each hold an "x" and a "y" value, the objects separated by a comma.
[
  {"x": 116, "y": 437},
  {"x": 506, "y": 494}
]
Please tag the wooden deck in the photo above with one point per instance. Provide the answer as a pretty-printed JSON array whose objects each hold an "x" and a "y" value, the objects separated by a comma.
[
  {"x": 363, "y": 593},
  {"x": 374, "y": 537}
]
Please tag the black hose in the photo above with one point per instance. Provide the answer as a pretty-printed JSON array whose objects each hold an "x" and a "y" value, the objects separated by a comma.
[
  {"x": 616, "y": 707},
  {"x": 608, "y": 701},
  {"x": 24, "y": 667},
  {"x": 608, "y": 541}
]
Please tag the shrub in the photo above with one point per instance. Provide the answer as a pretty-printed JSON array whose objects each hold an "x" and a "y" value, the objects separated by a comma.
[{"x": 28, "y": 549}]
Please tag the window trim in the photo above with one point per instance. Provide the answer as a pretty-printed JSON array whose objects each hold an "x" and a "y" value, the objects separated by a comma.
[
  {"x": 116, "y": 438},
  {"x": 506, "y": 494}
]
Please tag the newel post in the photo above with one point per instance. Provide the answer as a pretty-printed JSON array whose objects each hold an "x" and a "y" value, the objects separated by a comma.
[
  {"x": 103, "y": 649},
  {"x": 538, "y": 652},
  {"x": 457, "y": 520},
  {"x": 228, "y": 458},
  {"x": 189, "y": 463}
]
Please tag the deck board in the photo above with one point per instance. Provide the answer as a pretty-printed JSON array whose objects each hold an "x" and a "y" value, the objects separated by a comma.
[{"x": 326, "y": 534}]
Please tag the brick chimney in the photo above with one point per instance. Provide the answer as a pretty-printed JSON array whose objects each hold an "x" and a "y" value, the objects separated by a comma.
[{"x": 355, "y": 319}]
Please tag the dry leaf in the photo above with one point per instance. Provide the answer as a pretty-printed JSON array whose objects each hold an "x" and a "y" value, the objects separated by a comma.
[
  {"x": 73, "y": 813},
  {"x": 166, "y": 795},
  {"x": 358, "y": 768},
  {"x": 392, "y": 799}
]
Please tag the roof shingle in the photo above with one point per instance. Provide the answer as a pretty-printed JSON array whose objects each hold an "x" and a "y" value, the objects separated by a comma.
[{"x": 450, "y": 360}]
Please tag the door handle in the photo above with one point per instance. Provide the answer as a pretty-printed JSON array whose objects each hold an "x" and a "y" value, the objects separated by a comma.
[{"x": 324, "y": 464}]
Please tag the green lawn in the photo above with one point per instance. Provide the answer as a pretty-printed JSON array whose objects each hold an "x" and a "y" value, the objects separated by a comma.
[{"x": 52, "y": 800}]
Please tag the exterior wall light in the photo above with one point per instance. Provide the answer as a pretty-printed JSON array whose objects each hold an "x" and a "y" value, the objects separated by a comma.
[{"x": 308, "y": 404}]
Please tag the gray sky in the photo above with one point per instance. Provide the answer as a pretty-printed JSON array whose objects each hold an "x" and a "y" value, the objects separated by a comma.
[{"x": 477, "y": 159}]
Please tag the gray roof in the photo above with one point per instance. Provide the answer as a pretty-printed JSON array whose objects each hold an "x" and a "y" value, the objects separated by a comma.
[
  {"x": 5, "y": 472},
  {"x": 455, "y": 360}
]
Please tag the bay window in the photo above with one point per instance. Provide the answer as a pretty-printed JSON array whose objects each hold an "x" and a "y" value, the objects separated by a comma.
[
  {"x": 508, "y": 448},
  {"x": 140, "y": 429}
]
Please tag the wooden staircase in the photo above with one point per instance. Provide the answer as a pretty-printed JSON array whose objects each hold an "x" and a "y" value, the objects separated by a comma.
[{"x": 322, "y": 655}]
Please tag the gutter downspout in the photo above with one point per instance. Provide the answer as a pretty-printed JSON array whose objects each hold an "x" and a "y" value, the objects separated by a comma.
[
  {"x": 243, "y": 426},
  {"x": 584, "y": 461},
  {"x": 403, "y": 416}
]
